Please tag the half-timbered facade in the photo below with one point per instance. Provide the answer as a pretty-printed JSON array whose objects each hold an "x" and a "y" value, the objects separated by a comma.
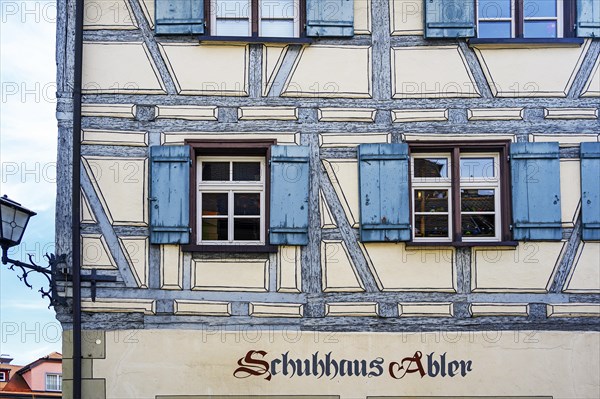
[{"x": 330, "y": 198}]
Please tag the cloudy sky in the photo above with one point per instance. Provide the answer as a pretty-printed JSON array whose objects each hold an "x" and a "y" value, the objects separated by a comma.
[{"x": 27, "y": 157}]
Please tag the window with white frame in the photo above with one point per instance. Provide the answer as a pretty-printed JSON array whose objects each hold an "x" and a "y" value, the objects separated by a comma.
[
  {"x": 231, "y": 200},
  {"x": 522, "y": 18},
  {"x": 456, "y": 196},
  {"x": 255, "y": 18},
  {"x": 3, "y": 376},
  {"x": 54, "y": 382}
]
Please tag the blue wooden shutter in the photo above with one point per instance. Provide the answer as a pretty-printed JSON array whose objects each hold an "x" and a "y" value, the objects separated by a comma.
[
  {"x": 449, "y": 18},
  {"x": 330, "y": 18},
  {"x": 590, "y": 190},
  {"x": 535, "y": 179},
  {"x": 384, "y": 195},
  {"x": 179, "y": 17},
  {"x": 170, "y": 194},
  {"x": 588, "y": 18},
  {"x": 289, "y": 195}
]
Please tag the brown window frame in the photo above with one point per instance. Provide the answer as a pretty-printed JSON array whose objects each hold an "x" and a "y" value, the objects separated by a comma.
[
  {"x": 215, "y": 147},
  {"x": 255, "y": 38},
  {"x": 455, "y": 149},
  {"x": 569, "y": 14}
]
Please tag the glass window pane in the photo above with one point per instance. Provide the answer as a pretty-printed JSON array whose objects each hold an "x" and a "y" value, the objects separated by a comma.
[
  {"x": 214, "y": 229},
  {"x": 494, "y": 30},
  {"x": 215, "y": 171},
  {"x": 214, "y": 204},
  {"x": 477, "y": 168},
  {"x": 539, "y": 29},
  {"x": 247, "y": 204},
  {"x": 494, "y": 9},
  {"x": 246, "y": 229},
  {"x": 246, "y": 171},
  {"x": 477, "y": 200},
  {"x": 539, "y": 8},
  {"x": 478, "y": 226},
  {"x": 231, "y": 8},
  {"x": 232, "y": 27},
  {"x": 278, "y": 9},
  {"x": 277, "y": 28},
  {"x": 431, "y": 201},
  {"x": 431, "y": 226},
  {"x": 431, "y": 167}
]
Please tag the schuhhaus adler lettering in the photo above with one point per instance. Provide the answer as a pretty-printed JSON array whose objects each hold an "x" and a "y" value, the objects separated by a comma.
[{"x": 255, "y": 364}]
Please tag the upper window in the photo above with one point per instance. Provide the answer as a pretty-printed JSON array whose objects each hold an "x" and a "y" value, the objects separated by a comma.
[
  {"x": 54, "y": 382},
  {"x": 522, "y": 18},
  {"x": 255, "y": 18},
  {"x": 3, "y": 376},
  {"x": 231, "y": 200},
  {"x": 457, "y": 194}
]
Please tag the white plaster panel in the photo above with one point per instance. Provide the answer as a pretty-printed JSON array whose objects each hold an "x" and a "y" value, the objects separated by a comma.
[
  {"x": 347, "y": 114},
  {"x": 570, "y": 190},
  {"x": 121, "y": 185},
  {"x": 420, "y": 115},
  {"x": 289, "y": 269},
  {"x": 201, "y": 308},
  {"x": 362, "y": 17},
  {"x": 268, "y": 113},
  {"x": 107, "y": 14},
  {"x": 208, "y": 69},
  {"x": 327, "y": 220},
  {"x": 571, "y": 113},
  {"x": 338, "y": 271},
  {"x": 425, "y": 309},
  {"x": 344, "y": 177},
  {"x": 406, "y": 17},
  {"x": 276, "y": 309},
  {"x": 180, "y": 137},
  {"x": 592, "y": 87},
  {"x": 351, "y": 140},
  {"x": 524, "y": 72},
  {"x": 119, "y": 67},
  {"x": 585, "y": 273},
  {"x": 527, "y": 268},
  {"x": 352, "y": 309},
  {"x": 416, "y": 73},
  {"x": 109, "y": 110},
  {"x": 397, "y": 268},
  {"x": 114, "y": 137},
  {"x": 148, "y": 10},
  {"x": 146, "y": 306},
  {"x": 504, "y": 114},
  {"x": 235, "y": 275},
  {"x": 95, "y": 253},
  {"x": 187, "y": 112},
  {"x": 573, "y": 310},
  {"x": 499, "y": 309},
  {"x": 87, "y": 215},
  {"x": 565, "y": 140},
  {"x": 273, "y": 55},
  {"x": 331, "y": 71},
  {"x": 171, "y": 267},
  {"x": 136, "y": 253}
]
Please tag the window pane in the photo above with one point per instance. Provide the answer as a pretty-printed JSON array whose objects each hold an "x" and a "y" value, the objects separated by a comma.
[
  {"x": 278, "y": 9},
  {"x": 539, "y": 29},
  {"x": 246, "y": 171},
  {"x": 214, "y": 230},
  {"x": 246, "y": 229},
  {"x": 215, "y": 171},
  {"x": 277, "y": 28},
  {"x": 539, "y": 8},
  {"x": 477, "y": 200},
  {"x": 477, "y": 167},
  {"x": 495, "y": 30},
  {"x": 232, "y": 27},
  {"x": 247, "y": 204},
  {"x": 478, "y": 226},
  {"x": 494, "y": 9},
  {"x": 431, "y": 226},
  {"x": 214, "y": 204},
  {"x": 431, "y": 167},
  {"x": 431, "y": 201},
  {"x": 231, "y": 8}
]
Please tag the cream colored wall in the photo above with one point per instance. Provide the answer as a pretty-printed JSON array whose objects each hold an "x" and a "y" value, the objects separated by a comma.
[{"x": 506, "y": 363}]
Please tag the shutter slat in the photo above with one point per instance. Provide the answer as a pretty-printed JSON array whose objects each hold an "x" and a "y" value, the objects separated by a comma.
[
  {"x": 179, "y": 17},
  {"x": 384, "y": 195},
  {"x": 590, "y": 191},
  {"x": 588, "y": 18},
  {"x": 535, "y": 179},
  {"x": 170, "y": 194},
  {"x": 289, "y": 195},
  {"x": 449, "y": 18},
  {"x": 329, "y": 18}
]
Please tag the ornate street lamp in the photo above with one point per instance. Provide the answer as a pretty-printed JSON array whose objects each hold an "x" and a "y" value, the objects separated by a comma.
[{"x": 14, "y": 222}]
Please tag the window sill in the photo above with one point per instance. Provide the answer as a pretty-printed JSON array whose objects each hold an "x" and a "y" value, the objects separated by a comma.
[
  {"x": 234, "y": 249},
  {"x": 248, "y": 39},
  {"x": 461, "y": 244},
  {"x": 525, "y": 43}
]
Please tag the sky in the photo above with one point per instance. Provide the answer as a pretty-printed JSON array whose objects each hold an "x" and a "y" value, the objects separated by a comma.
[{"x": 28, "y": 136}]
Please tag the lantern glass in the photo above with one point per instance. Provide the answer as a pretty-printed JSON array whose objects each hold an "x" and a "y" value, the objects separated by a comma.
[{"x": 14, "y": 221}]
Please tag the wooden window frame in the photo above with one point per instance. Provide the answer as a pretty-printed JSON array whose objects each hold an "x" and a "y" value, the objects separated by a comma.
[
  {"x": 566, "y": 16},
  {"x": 254, "y": 23},
  {"x": 233, "y": 148},
  {"x": 502, "y": 148},
  {"x": 59, "y": 382}
]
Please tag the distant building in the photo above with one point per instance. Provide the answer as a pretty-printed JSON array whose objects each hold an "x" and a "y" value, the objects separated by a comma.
[{"x": 39, "y": 379}]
